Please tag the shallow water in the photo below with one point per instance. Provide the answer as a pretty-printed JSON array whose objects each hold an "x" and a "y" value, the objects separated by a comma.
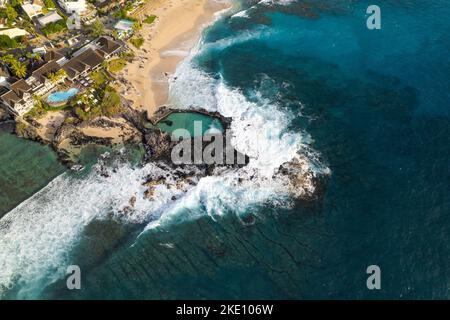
[{"x": 25, "y": 168}]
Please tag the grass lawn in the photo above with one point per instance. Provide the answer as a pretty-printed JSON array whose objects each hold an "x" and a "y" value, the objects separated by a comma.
[
  {"x": 116, "y": 65},
  {"x": 137, "y": 42},
  {"x": 149, "y": 19}
]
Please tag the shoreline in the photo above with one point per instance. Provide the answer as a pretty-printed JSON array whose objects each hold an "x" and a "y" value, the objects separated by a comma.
[{"x": 168, "y": 41}]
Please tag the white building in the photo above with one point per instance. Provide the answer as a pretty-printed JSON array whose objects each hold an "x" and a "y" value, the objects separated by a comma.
[
  {"x": 50, "y": 17},
  {"x": 32, "y": 10},
  {"x": 73, "y": 6},
  {"x": 19, "y": 96},
  {"x": 14, "y": 32}
]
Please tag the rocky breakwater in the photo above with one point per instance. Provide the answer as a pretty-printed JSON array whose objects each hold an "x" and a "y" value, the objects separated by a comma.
[
  {"x": 6, "y": 121},
  {"x": 302, "y": 183}
]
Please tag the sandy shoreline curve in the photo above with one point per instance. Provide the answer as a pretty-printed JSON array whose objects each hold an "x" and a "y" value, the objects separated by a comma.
[{"x": 168, "y": 41}]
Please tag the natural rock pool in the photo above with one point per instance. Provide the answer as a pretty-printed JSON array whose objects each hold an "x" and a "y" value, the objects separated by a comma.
[{"x": 194, "y": 122}]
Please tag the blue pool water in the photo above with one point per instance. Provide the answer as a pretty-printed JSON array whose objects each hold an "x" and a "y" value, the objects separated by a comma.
[{"x": 62, "y": 96}]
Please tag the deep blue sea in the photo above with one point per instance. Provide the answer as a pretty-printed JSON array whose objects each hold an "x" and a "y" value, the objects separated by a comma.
[{"x": 369, "y": 108}]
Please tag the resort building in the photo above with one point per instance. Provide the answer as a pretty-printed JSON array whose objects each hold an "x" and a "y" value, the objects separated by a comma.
[
  {"x": 50, "y": 17},
  {"x": 19, "y": 96},
  {"x": 32, "y": 9},
  {"x": 83, "y": 64},
  {"x": 73, "y": 6},
  {"x": 91, "y": 56},
  {"x": 14, "y": 32},
  {"x": 108, "y": 47}
]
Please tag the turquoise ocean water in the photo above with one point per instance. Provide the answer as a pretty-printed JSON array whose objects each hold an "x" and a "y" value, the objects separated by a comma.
[{"x": 369, "y": 108}]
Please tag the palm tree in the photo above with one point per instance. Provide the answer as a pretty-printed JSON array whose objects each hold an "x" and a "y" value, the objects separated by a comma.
[
  {"x": 19, "y": 69},
  {"x": 53, "y": 78}
]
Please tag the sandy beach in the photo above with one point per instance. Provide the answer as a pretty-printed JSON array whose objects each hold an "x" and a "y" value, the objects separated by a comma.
[{"x": 167, "y": 41}]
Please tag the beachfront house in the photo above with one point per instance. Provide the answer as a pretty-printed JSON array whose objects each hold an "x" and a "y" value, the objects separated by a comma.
[
  {"x": 19, "y": 96},
  {"x": 108, "y": 47},
  {"x": 83, "y": 64}
]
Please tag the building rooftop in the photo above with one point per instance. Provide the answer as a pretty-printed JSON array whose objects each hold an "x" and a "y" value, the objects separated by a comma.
[
  {"x": 17, "y": 91},
  {"x": 88, "y": 59},
  {"x": 14, "y": 32},
  {"x": 32, "y": 9},
  {"x": 108, "y": 46},
  {"x": 42, "y": 73},
  {"x": 50, "y": 17}
]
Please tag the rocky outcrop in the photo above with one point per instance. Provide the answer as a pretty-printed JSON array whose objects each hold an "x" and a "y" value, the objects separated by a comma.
[
  {"x": 72, "y": 135},
  {"x": 26, "y": 130},
  {"x": 4, "y": 115},
  {"x": 6, "y": 121}
]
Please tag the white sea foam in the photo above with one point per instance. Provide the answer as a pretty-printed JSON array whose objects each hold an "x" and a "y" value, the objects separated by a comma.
[
  {"x": 279, "y": 2},
  {"x": 37, "y": 236},
  {"x": 241, "y": 14}
]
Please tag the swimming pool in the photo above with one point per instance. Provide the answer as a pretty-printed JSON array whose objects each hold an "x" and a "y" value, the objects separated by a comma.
[
  {"x": 195, "y": 123},
  {"x": 61, "y": 96}
]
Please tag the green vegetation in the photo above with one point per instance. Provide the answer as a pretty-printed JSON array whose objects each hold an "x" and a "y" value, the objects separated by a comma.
[
  {"x": 123, "y": 14},
  {"x": 54, "y": 27},
  {"x": 100, "y": 79},
  {"x": 127, "y": 55},
  {"x": 11, "y": 43},
  {"x": 97, "y": 28},
  {"x": 116, "y": 65},
  {"x": 111, "y": 103},
  {"x": 38, "y": 110},
  {"x": 41, "y": 108},
  {"x": 21, "y": 128},
  {"x": 19, "y": 69},
  {"x": 149, "y": 19},
  {"x": 8, "y": 59},
  {"x": 138, "y": 42},
  {"x": 57, "y": 76},
  {"x": 49, "y": 4},
  {"x": 109, "y": 106},
  {"x": 137, "y": 26},
  {"x": 9, "y": 13}
]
